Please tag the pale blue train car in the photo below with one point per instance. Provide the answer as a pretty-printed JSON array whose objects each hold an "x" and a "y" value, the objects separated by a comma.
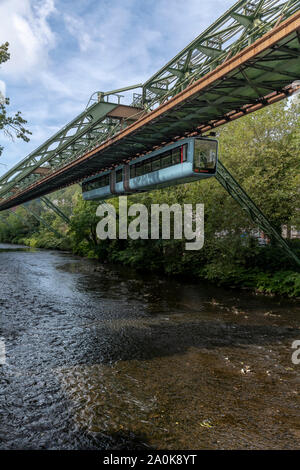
[{"x": 187, "y": 160}]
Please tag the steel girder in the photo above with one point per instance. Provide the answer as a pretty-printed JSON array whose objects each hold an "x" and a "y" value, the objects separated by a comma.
[
  {"x": 41, "y": 220},
  {"x": 230, "y": 184},
  {"x": 240, "y": 26},
  {"x": 18, "y": 217},
  {"x": 63, "y": 147},
  {"x": 56, "y": 209}
]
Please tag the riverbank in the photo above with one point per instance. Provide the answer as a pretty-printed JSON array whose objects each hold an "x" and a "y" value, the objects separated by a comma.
[{"x": 274, "y": 281}]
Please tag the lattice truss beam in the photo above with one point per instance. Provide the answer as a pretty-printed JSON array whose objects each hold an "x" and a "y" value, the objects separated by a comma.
[
  {"x": 70, "y": 142},
  {"x": 239, "y": 27},
  {"x": 254, "y": 84}
]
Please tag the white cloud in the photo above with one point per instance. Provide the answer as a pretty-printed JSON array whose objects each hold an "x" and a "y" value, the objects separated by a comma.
[
  {"x": 115, "y": 49},
  {"x": 76, "y": 27},
  {"x": 23, "y": 23}
]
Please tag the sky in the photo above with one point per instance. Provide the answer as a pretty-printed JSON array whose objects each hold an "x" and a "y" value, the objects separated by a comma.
[{"x": 62, "y": 51}]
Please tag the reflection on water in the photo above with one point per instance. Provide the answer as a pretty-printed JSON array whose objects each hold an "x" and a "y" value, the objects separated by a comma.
[
  {"x": 100, "y": 357},
  {"x": 9, "y": 247}
]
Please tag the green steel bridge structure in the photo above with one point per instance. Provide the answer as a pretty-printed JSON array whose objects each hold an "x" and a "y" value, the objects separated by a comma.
[{"x": 248, "y": 59}]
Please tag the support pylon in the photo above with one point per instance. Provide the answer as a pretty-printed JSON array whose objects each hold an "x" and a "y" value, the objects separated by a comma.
[{"x": 230, "y": 184}]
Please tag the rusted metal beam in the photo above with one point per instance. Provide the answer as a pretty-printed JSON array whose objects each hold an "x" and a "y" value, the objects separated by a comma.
[{"x": 41, "y": 171}]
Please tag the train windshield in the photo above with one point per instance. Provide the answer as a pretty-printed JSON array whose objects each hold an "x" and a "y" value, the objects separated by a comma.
[{"x": 205, "y": 155}]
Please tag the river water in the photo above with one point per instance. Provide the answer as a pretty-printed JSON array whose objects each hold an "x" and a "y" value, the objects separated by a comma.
[{"x": 100, "y": 357}]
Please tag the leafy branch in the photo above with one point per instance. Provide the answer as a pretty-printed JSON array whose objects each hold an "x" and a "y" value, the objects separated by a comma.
[{"x": 11, "y": 126}]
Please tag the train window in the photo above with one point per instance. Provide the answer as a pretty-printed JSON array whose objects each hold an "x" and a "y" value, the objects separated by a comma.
[
  {"x": 132, "y": 171},
  {"x": 166, "y": 159},
  {"x": 147, "y": 167},
  {"x": 184, "y": 152},
  {"x": 88, "y": 186},
  {"x": 119, "y": 174},
  {"x": 176, "y": 156},
  {"x": 139, "y": 169},
  {"x": 99, "y": 182},
  {"x": 155, "y": 163},
  {"x": 205, "y": 155}
]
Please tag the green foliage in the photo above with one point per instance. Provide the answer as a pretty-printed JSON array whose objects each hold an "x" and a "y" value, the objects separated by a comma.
[
  {"x": 282, "y": 283},
  {"x": 83, "y": 227},
  {"x": 12, "y": 126}
]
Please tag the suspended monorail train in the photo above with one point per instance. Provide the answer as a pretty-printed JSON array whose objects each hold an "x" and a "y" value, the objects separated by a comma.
[{"x": 187, "y": 160}]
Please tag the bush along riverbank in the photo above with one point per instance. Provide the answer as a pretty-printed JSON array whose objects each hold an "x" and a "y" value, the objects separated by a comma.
[
  {"x": 263, "y": 153},
  {"x": 169, "y": 259}
]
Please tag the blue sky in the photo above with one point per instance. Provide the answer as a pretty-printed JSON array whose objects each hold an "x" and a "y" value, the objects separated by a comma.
[{"x": 64, "y": 50}]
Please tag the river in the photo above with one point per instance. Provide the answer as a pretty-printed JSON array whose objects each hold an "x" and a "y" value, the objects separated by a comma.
[{"x": 101, "y": 357}]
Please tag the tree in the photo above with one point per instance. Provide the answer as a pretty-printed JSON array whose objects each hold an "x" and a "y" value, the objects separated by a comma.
[
  {"x": 12, "y": 126},
  {"x": 262, "y": 151}
]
